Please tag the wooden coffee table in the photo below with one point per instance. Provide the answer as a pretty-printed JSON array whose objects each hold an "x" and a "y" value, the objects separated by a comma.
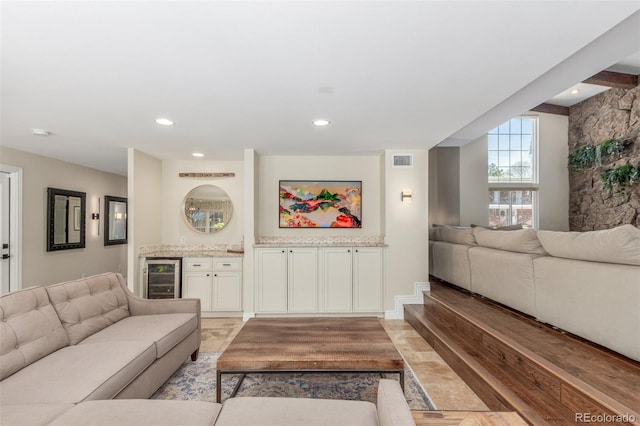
[{"x": 318, "y": 345}]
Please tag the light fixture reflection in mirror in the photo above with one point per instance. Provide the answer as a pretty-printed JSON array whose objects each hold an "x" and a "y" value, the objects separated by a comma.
[{"x": 207, "y": 209}]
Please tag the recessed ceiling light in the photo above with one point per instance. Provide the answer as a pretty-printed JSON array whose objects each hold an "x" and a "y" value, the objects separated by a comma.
[
  {"x": 198, "y": 154},
  {"x": 321, "y": 122},
  {"x": 575, "y": 91},
  {"x": 40, "y": 132},
  {"x": 164, "y": 121}
]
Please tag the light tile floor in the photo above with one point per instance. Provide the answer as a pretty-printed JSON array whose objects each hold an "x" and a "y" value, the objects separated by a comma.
[{"x": 444, "y": 386}]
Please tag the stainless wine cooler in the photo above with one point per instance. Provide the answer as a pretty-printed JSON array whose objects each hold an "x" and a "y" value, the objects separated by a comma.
[{"x": 162, "y": 277}]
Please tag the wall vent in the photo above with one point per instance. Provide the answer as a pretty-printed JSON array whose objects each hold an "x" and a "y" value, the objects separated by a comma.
[{"x": 402, "y": 160}]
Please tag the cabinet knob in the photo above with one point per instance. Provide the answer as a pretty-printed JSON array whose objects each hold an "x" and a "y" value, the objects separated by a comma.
[
  {"x": 208, "y": 275},
  {"x": 283, "y": 251},
  {"x": 348, "y": 251},
  {"x": 215, "y": 275}
]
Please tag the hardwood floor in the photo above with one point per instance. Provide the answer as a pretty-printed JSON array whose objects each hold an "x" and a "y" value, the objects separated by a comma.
[{"x": 516, "y": 363}]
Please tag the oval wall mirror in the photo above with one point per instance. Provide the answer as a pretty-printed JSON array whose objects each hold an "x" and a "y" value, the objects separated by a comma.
[{"x": 207, "y": 209}]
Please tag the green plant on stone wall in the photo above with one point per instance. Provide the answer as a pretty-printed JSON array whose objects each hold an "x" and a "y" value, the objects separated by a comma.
[
  {"x": 588, "y": 156},
  {"x": 620, "y": 177}
]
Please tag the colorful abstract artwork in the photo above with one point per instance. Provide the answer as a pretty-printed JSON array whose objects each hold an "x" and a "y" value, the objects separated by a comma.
[{"x": 320, "y": 204}]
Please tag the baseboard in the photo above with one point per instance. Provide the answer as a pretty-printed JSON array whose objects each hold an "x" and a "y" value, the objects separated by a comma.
[
  {"x": 400, "y": 301},
  {"x": 248, "y": 315}
]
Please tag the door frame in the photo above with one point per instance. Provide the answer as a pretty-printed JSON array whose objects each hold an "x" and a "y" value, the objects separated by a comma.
[{"x": 15, "y": 225}]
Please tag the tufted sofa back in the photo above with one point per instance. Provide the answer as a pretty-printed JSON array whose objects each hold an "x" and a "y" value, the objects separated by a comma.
[
  {"x": 88, "y": 305},
  {"x": 29, "y": 329}
]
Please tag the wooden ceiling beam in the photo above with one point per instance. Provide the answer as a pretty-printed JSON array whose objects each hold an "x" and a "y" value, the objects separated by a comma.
[
  {"x": 617, "y": 80},
  {"x": 552, "y": 109}
]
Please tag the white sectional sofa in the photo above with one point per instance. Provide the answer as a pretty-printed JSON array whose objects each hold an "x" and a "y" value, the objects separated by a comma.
[
  {"x": 90, "y": 352},
  {"x": 587, "y": 283}
]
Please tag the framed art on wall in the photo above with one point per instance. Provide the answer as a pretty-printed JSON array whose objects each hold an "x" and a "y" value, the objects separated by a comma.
[{"x": 320, "y": 204}]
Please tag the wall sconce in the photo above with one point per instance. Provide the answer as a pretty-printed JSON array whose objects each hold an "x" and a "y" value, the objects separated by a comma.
[{"x": 406, "y": 196}]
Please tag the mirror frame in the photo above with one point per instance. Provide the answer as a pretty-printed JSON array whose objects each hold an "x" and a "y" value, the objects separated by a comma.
[
  {"x": 108, "y": 223},
  {"x": 187, "y": 220},
  {"x": 51, "y": 201}
]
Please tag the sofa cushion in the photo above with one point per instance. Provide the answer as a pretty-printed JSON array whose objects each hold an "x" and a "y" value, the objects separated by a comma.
[
  {"x": 520, "y": 241},
  {"x": 617, "y": 245},
  {"x": 31, "y": 414},
  {"x": 248, "y": 411},
  {"x": 458, "y": 235},
  {"x": 164, "y": 331},
  {"x": 90, "y": 304},
  {"x": 134, "y": 412},
  {"x": 76, "y": 373},
  {"x": 29, "y": 329}
]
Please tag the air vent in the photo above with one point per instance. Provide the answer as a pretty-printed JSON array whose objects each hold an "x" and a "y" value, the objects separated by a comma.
[{"x": 403, "y": 160}]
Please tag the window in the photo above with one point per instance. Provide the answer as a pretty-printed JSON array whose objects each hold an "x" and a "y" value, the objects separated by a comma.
[{"x": 512, "y": 173}]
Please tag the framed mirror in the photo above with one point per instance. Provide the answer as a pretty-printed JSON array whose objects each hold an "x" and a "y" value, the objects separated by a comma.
[
  {"x": 66, "y": 213},
  {"x": 207, "y": 209},
  {"x": 115, "y": 224}
]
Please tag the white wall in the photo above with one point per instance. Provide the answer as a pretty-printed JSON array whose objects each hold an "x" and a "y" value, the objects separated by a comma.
[
  {"x": 39, "y": 266},
  {"x": 472, "y": 186},
  {"x": 174, "y": 190},
  {"x": 554, "y": 175},
  {"x": 406, "y": 225},
  {"x": 275, "y": 168},
  {"x": 444, "y": 186},
  {"x": 145, "y": 209}
]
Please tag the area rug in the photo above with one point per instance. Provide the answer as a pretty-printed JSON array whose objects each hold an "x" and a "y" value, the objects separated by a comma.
[{"x": 197, "y": 381}]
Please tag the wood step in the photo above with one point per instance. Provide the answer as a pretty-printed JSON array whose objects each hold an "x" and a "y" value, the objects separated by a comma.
[{"x": 515, "y": 363}]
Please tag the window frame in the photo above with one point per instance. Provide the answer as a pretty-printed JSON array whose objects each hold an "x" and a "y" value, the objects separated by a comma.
[{"x": 533, "y": 185}]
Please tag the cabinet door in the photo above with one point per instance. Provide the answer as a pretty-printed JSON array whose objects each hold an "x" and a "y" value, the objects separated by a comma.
[
  {"x": 226, "y": 294},
  {"x": 271, "y": 280},
  {"x": 198, "y": 285},
  {"x": 335, "y": 279},
  {"x": 367, "y": 279},
  {"x": 303, "y": 280}
]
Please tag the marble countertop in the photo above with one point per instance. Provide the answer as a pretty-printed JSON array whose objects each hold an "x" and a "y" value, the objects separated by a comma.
[
  {"x": 191, "y": 253},
  {"x": 319, "y": 244}
]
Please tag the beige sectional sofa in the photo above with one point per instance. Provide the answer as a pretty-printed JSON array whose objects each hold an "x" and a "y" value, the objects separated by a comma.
[
  {"x": 587, "y": 283},
  {"x": 90, "y": 352}
]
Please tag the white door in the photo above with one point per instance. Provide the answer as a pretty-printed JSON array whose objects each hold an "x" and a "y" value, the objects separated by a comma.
[
  {"x": 5, "y": 262},
  {"x": 226, "y": 294},
  {"x": 367, "y": 279},
  {"x": 335, "y": 279},
  {"x": 303, "y": 280},
  {"x": 271, "y": 280},
  {"x": 197, "y": 285}
]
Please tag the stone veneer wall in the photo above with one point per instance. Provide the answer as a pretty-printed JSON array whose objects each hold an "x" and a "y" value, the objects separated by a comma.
[{"x": 614, "y": 114}]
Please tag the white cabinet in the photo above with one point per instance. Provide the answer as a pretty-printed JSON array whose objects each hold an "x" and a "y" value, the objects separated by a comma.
[
  {"x": 351, "y": 279},
  {"x": 287, "y": 280},
  {"x": 336, "y": 272},
  {"x": 368, "y": 280},
  {"x": 302, "y": 280},
  {"x": 325, "y": 280},
  {"x": 217, "y": 282},
  {"x": 271, "y": 280}
]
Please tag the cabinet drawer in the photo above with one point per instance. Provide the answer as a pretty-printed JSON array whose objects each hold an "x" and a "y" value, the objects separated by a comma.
[
  {"x": 198, "y": 264},
  {"x": 227, "y": 264}
]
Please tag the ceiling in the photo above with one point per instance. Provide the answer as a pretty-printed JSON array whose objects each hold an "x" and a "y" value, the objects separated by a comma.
[{"x": 242, "y": 74}]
